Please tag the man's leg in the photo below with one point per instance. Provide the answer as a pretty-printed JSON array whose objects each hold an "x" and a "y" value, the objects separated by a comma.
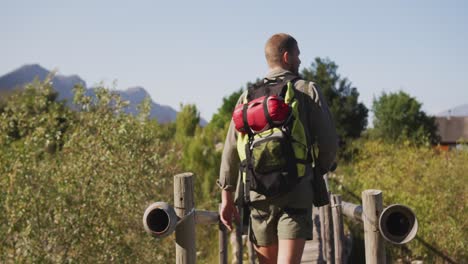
[
  {"x": 263, "y": 228},
  {"x": 290, "y": 250},
  {"x": 267, "y": 254}
]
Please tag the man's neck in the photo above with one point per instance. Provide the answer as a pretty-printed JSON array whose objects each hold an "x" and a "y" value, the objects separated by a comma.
[
  {"x": 277, "y": 71},
  {"x": 277, "y": 68}
]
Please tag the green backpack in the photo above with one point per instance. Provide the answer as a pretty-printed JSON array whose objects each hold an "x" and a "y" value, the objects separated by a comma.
[{"x": 272, "y": 161}]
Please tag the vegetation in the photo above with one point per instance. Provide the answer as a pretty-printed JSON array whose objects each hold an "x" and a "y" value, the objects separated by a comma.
[
  {"x": 398, "y": 117},
  {"x": 187, "y": 122},
  {"x": 74, "y": 183},
  {"x": 222, "y": 118},
  {"x": 349, "y": 115},
  {"x": 432, "y": 183}
]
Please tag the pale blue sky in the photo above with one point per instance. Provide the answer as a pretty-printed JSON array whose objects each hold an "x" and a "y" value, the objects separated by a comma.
[{"x": 199, "y": 51}]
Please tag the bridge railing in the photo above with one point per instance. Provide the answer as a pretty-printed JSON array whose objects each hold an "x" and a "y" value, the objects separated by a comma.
[
  {"x": 395, "y": 223},
  {"x": 160, "y": 220}
]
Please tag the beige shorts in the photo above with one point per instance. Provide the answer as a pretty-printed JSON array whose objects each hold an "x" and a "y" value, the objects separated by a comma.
[{"x": 285, "y": 217}]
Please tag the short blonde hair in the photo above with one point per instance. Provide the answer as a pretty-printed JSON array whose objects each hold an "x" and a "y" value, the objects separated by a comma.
[{"x": 276, "y": 46}]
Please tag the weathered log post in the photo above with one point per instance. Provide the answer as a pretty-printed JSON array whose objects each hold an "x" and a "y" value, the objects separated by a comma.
[
  {"x": 326, "y": 221},
  {"x": 223, "y": 254},
  {"x": 372, "y": 203},
  {"x": 326, "y": 232},
  {"x": 238, "y": 243},
  {"x": 161, "y": 219},
  {"x": 322, "y": 232},
  {"x": 338, "y": 231},
  {"x": 184, "y": 207}
]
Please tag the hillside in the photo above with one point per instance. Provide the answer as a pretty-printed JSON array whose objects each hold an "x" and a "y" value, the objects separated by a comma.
[{"x": 16, "y": 79}]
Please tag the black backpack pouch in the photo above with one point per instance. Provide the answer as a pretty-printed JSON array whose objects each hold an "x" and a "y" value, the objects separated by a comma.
[{"x": 272, "y": 165}]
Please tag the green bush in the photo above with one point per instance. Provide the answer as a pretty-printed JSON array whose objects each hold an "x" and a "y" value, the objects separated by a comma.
[
  {"x": 432, "y": 183},
  {"x": 74, "y": 185}
]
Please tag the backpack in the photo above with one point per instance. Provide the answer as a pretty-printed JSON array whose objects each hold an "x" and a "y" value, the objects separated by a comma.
[{"x": 272, "y": 143}]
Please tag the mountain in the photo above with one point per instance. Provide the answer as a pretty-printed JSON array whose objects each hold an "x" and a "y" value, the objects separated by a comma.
[
  {"x": 21, "y": 76},
  {"x": 137, "y": 94},
  {"x": 64, "y": 86},
  {"x": 461, "y": 110}
]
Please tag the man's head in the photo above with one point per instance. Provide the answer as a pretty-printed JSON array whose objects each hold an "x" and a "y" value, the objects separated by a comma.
[{"x": 282, "y": 51}]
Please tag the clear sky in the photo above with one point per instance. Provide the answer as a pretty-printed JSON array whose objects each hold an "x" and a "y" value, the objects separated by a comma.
[{"x": 199, "y": 51}]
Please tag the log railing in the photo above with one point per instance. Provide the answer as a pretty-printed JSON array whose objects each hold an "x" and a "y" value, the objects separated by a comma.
[{"x": 396, "y": 223}]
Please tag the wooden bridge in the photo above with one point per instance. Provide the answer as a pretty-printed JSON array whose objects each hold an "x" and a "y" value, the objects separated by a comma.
[
  {"x": 314, "y": 249},
  {"x": 396, "y": 223}
]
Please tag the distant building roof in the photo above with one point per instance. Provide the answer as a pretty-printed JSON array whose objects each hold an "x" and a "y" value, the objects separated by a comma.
[
  {"x": 452, "y": 128},
  {"x": 460, "y": 111}
]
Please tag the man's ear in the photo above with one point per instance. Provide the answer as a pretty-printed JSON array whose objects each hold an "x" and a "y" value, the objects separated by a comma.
[{"x": 285, "y": 58}]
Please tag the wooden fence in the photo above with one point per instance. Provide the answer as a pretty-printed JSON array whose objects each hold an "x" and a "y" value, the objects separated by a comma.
[{"x": 396, "y": 223}]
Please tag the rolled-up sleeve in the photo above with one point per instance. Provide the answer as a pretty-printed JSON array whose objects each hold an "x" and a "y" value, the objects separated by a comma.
[
  {"x": 229, "y": 169},
  {"x": 323, "y": 129}
]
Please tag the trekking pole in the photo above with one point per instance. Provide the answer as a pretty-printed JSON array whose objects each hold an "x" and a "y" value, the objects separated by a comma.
[
  {"x": 239, "y": 230},
  {"x": 240, "y": 225}
]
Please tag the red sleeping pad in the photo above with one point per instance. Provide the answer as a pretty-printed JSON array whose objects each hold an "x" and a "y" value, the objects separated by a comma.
[{"x": 257, "y": 121}]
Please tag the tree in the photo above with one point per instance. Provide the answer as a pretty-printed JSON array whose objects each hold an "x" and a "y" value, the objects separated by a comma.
[
  {"x": 224, "y": 114},
  {"x": 398, "y": 116},
  {"x": 34, "y": 114},
  {"x": 349, "y": 115},
  {"x": 187, "y": 121}
]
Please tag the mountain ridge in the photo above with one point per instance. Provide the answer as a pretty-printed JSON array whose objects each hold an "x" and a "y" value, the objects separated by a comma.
[{"x": 63, "y": 84}]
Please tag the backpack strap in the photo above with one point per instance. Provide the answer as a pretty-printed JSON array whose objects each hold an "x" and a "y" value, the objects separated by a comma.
[
  {"x": 279, "y": 81},
  {"x": 266, "y": 113},
  {"x": 244, "y": 120},
  {"x": 289, "y": 78}
]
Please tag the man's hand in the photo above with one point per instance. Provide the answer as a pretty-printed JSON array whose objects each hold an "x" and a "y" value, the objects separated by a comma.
[{"x": 228, "y": 210}]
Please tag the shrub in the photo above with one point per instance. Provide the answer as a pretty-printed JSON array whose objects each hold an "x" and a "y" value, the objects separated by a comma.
[
  {"x": 83, "y": 201},
  {"x": 432, "y": 183}
]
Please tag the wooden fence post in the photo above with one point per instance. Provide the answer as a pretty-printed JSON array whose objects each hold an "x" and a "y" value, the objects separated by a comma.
[
  {"x": 338, "y": 231},
  {"x": 238, "y": 243},
  {"x": 327, "y": 234},
  {"x": 184, "y": 207},
  {"x": 372, "y": 204},
  {"x": 322, "y": 232},
  {"x": 223, "y": 254}
]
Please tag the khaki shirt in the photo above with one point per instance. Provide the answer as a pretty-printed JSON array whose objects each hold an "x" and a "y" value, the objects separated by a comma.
[{"x": 318, "y": 124}]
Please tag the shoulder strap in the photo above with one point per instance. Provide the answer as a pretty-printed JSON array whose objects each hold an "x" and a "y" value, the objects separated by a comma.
[
  {"x": 288, "y": 78},
  {"x": 291, "y": 78},
  {"x": 269, "y": 86}
]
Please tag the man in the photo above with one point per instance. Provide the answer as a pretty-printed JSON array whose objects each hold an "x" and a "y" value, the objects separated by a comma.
[{"x": 280, "y": 225}]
